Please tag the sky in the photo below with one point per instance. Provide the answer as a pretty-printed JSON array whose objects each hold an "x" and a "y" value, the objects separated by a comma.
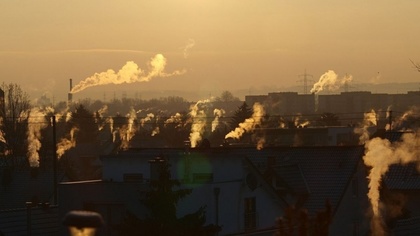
[{"x": 209, "y": 46}]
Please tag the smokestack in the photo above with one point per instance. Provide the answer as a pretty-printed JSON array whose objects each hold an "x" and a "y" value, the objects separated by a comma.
[{"x": 70, "y": 95}]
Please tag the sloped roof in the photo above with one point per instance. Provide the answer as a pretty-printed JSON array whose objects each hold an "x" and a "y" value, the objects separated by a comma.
[
  {"x": 326, "y": 171},
  {"x": 292, "y": 176},
  {"x": 25, "y": 187},
  {"x": 407, "y": 227},
  {"x": 44, "y": 221},
  {"x": 402, "y": 177}
]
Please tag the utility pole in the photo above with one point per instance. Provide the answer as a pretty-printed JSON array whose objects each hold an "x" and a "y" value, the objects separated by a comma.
[
  {"x": 305, "y": 81},
  {"x": 54, "y": 160}
]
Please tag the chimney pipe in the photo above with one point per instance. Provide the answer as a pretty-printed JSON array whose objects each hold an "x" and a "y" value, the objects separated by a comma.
[{"x": 70, "y": 95}]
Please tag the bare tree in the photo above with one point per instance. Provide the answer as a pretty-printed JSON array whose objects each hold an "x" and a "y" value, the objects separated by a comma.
[
  {"x": 226, "y": 96},
  {"x": 16, "y": 102},
  {"x": 416, "y": 65}
]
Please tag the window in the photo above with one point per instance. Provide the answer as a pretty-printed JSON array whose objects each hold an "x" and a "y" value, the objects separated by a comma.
[{"x": 250, "y": 213}]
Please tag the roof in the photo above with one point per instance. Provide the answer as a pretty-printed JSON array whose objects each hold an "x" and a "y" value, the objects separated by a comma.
[
  {"x": 44, "y": 221},
  {"x": 35, "y": 184},
  {"x": 323, "y": 172},
  {"x": 402, "y": 177},
  {"x": 407, "y": 227}
]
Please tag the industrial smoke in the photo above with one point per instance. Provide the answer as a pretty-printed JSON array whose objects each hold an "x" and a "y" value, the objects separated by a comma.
[
  {"x": 330, "y": 81},
  {"x": 129, "y": 73}
]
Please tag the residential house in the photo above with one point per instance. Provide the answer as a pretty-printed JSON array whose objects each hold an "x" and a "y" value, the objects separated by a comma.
[{"x": 244, "y": 189}]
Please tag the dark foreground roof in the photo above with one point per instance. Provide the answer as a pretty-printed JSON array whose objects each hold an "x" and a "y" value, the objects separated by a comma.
[
  {"x": 407, "y": 227},
  {"x": 403, "y": 177},
  {"x": 25, "y": 186},
  {"x": 321, "y": 172},
  {"x": 44, "y": 221}
]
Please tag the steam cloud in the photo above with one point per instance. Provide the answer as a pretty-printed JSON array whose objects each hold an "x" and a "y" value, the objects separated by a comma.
[
  {"x": 65, "y": 144},
  {"x": 380, "y": 155},
  {"x": 217, "y": 114},
  {"x": 329, "y": 81},
  {"x": 249, "y": 124},
  {"x": 36, "y": 122},
  {"x": 129, "y": 73},
  {"x": 190, "y": 44},
  {"x": 199, "y": 118},
  {"x": 370, "y": 120}
]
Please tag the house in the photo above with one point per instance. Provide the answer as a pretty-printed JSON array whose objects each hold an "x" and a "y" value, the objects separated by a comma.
[
  {"x": 244, "y": 189},
  {"x": 401, "y": 194}
]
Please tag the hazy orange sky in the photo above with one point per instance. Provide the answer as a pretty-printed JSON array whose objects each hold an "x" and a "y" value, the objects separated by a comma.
[{"x": 221, "y": 44}]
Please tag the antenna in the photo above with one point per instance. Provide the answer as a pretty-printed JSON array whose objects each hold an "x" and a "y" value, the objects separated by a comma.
[
  {"x": 346, "y": 84},
  {"x": 305, "y": 81}
]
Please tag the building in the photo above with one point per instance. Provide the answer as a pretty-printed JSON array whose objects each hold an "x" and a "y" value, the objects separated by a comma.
[
  {"x": 244, "y": 189},
  {"x": 349, "y": 106}
]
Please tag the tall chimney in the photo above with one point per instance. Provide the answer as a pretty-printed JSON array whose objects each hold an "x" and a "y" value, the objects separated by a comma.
[{"x": 70, "y": 95}]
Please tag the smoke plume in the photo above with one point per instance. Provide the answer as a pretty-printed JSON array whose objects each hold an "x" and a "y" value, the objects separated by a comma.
[
  {"x": 330, "y": 81},
  {"x": 217, "y": 114},
  {"x": 175, "y": 120},
  {"x": 190, "y": 44},
  {"x": 36, "y": 122},
  {"x": 129, "y": 73},
  {"x": 65, "y": 144},
  {"x": 380, "y": 154},
  {"x": 199, "y": 118},
  {"x": 370, "y": 120},
  {"x": 127, "y": 132},
  {"x": 249, "y": 124}
]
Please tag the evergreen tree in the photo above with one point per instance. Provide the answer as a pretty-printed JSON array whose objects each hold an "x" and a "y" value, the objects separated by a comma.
[
  {"x": 241, "y": 114},
  {"x": 161, "y": 201},
  {"x": 85, "y": 122}
]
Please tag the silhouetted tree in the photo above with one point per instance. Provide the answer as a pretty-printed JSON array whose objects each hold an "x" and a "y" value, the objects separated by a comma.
[
  {"x": 416, "y": 65},
  {"x": 161, "y": 201},
  {"x": 241, "y": 114},
  {"x": 84, "y": 121},
  {"x": 226, "y": 96},
  {"x": 16, "y": 102}
]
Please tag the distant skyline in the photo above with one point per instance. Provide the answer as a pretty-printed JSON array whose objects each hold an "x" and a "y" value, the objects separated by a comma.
[{"x": 217, "y": 45}]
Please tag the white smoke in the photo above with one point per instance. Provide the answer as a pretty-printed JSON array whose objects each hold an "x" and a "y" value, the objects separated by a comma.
[
  {"x": 129, "y": 73},
  {"x": 330, "y": 81},
  {"x": 36, "y": 122},
  {"x": 380, "y": 154},
  {"x": 249, "y": 124},
  {"x": 190, "y": 44},
  {"x": 65, "y": 144},
  {"x": 127, "y": 131},
  {"x": 365, "y": 129},
  {"x": 217, "y": 114},
  {"x": 199, "y": 119},
  {"x": 176, "y": 120}
]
